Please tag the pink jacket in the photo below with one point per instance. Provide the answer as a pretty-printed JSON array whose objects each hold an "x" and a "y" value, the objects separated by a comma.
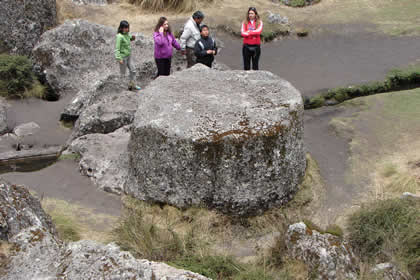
[{"x": 164, "y": 44}]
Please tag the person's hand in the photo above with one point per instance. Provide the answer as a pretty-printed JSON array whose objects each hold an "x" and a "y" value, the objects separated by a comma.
[
  {"x": 121, "y": 62},
  {"x": 133, "y": 37},
  {"x": 161, "y": 29},
  {"x": 210, "y": 52}
]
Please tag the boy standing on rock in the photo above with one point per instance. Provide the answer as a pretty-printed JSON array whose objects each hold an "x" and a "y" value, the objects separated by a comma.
[
  {"x": 123, "y": 52},
  {"x": 190, "y": 35},
  {"x": 205, "y": 49}
]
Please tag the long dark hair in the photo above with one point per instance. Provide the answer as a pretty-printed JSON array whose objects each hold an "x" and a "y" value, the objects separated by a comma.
[
  {"x": 160, "y": 23},
  {"x": 257, "y": 16},
  {"x": 123, "y": 24}
]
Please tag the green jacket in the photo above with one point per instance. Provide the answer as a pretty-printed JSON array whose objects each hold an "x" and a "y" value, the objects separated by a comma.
[{"x": 122, "y": 46}]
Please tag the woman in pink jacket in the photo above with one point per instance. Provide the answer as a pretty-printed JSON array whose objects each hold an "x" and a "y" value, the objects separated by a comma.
[
  {"x": 251, "y": 31},
  {"x": 164, "y": 42}
]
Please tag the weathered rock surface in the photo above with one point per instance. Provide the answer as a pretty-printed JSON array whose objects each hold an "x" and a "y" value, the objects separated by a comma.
[
  {"x": 230, "y": 140},
  {"x": 27, "y": 134},
  {"x": 107, "y": 115},
  {"x": 104, "y": 158},
  {"x": 277, "y": 19},
  {"x": 23, "y": 22},
  {"x": 20, "y": 210},
  {"x": 328, "y": 255},
  {"x": 388, "y": 271},
  {"x": 78, "y": 55},
  {"x": 3, "y": 116},
  {"x": 37, "y": 253}
]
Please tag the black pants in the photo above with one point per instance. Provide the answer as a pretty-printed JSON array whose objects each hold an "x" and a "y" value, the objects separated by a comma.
[
  {"x": 250, "y": 55},
  {"x": 163, "y": 66}
]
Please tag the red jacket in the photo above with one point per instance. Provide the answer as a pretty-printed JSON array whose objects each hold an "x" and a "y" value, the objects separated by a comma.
[{"x": 251, "y": 32}]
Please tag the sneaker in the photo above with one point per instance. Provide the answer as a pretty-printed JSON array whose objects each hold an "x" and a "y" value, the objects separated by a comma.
[{"x": 137, "y": 88}]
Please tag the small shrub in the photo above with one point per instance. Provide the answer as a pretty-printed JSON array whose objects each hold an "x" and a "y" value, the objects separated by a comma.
[
  {"x": 312, "y": 226},
  {"x": 388, "y": 228},
  {"x": 389, "y": 170},
  {"x": 297, "y": 3},
  {"x": 17, "y": 78}
]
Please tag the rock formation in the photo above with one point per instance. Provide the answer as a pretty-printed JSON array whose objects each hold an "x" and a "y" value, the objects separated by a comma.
[
  {"x": 328, "y": 255},
  {"x": 23, "y": 22},
  {"x": 38, "y": 253},
  {"x": 104, "y": 158},
  {"x": 229, "y": 140}
]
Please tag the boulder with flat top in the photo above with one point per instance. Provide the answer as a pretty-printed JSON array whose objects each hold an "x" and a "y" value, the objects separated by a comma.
[{"x": 228, "y": 140}]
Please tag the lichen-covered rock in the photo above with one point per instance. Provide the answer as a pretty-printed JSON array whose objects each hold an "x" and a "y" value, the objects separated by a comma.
[
  {"x": 107, "y": 115},
  {"x": 78, "y": 55},
  {"x": 328, "y": 255},
  {"x": 3, "y": 116},
  {"x": 388, "y": 271},
  {"x": 20, "y": 210},
  {"x": 230, "y": 140},
  {"x": 23, "y": 22},
  {"x": 37, "y": 253},
  {"x": 104, "y": 158}
]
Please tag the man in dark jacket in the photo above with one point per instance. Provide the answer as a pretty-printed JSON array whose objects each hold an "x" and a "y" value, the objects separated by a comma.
[{"x": 205, "y": 48}]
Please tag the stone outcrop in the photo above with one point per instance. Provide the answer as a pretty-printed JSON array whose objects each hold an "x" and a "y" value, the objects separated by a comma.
[
  {"x": 37, "y": 252},
  {"x": 3, "y": 116},
  {"x": 328, "y": 255},
  {"x": 20, "y": 210},
  {"x": 104, "y": 158},
  {"x": 78, "y": 56},
  {"x": 23, "y": 22},
  {"x": 229, "y": 140}
]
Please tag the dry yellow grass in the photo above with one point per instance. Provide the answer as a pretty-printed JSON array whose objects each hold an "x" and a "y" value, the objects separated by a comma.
[
  {"x": 75, "y": 222},
  {"x": 389, "y": 16}
]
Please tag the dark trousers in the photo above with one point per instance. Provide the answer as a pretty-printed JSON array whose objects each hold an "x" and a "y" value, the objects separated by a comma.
[
  {"x": 191, "y": 59},
  {"x": 163, "y": 66},
  {"x": 251, "y": 56}
]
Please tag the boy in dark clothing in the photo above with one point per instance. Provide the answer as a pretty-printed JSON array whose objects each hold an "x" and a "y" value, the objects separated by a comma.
[{"x": 205, "y": 48}]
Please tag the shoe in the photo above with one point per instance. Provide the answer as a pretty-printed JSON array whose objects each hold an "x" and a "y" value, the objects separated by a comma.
[{"x": 137, "y": 88}]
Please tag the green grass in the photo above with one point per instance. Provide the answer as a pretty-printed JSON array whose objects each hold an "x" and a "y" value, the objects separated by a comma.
[
  {"x": 67, "y": 228},
  {"x": 73, "y": 156},
  {"x": 17, "y": 78},
  {"x": 396, "y": 80},
  {"x": 386, "y": 229}
]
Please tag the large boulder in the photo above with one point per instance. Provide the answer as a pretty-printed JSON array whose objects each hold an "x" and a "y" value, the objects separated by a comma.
[
  {"x": 230, "y": 140},
  {"x": 328, "y": 255},
  {"x": 78, "y": 55},
  {"x": 20, "y": 210},
  {"x": 37, "y": 252},
  {"x": 23, "y": 22},
  {"x": 104, "y": 158}
]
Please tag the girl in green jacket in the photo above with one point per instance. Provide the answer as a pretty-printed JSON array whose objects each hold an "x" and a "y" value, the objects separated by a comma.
[{"x": 123, "y": 52}]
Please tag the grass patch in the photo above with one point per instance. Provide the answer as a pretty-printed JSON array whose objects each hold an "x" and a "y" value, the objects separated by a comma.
[
  {"x": 167, "y": 5},
  {"x": 388, "y": 229},
  {"x": 72, "y": 156},
  {"x": 388, "y": 170},
  {"x": 17, "y": 78},
  {"x": 75, "y": 222},
  {"x": 396, "y": 80}
]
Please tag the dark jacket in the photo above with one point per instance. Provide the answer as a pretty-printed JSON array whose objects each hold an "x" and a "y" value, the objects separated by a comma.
[{"x": 201, "y": 48}]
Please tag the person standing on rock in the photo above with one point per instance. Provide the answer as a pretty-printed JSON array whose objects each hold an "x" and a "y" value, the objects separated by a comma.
[
  {"x": 251, "y": 31},
  {"x": 123, "y": 52},
  {"x": 205, "y": 49},
  {"x": 190, "y": 36},
  {"x": 164, "y": 43}
]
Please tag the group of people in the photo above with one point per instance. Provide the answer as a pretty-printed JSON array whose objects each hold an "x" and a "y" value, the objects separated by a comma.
[{"x": 195, "y": 43}]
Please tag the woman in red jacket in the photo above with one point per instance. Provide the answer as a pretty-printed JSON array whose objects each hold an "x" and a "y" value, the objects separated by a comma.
[{"x": 251, "y": 31}]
